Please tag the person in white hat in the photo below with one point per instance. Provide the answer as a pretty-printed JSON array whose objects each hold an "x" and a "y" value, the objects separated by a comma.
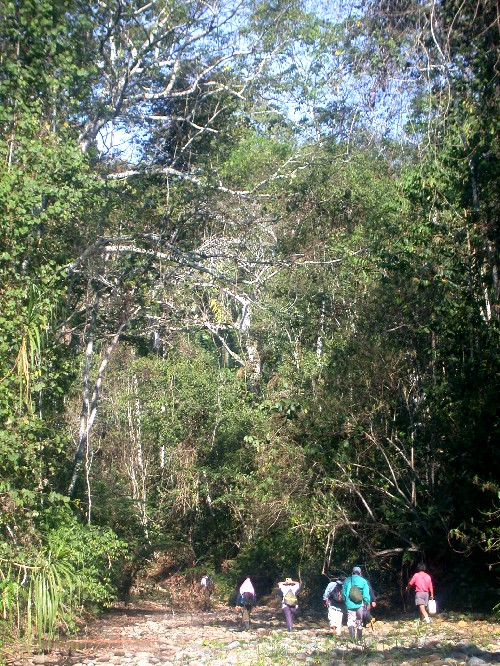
[{"x": 289, "y": 589}]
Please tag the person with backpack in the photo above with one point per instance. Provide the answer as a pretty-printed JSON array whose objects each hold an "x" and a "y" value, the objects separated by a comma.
[
  {"x": 207, "y": 586},
  {"x": 355, "y": 593},
  {"x": 424, "y": 590},
  {"x": 333, "y": 600},
  {"x": 246, "y": 599},
  {"x": 289, "y": 589},
  {"x": 368, "y": 619}
]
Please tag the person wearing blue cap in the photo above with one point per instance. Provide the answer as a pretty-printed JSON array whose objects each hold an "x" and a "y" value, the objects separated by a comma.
[{"x": 356, "y": 593}]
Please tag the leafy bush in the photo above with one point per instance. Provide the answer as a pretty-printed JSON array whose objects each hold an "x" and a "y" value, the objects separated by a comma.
[
  {"x": 74, "y": 567},
  {"x": 96, "y": 553}
]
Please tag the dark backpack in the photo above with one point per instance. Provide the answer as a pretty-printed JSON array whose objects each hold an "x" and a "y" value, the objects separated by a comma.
[
  {"x": 247, "y": 599},
  {"x": 335, "y": 595}
]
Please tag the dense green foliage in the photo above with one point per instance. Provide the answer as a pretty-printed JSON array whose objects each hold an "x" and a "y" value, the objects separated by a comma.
[{"x": 264, "y": 336}]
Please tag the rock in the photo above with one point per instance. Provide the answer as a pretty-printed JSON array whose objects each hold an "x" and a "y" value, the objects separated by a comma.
[
  {"x": 469, "y": 648},
  {"x": 475, "y": 661}
]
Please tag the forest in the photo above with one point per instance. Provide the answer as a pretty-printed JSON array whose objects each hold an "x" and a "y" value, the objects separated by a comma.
[{"x": 249, "y": 298}]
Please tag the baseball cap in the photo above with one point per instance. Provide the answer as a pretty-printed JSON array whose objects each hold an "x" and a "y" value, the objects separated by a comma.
[{"x": 356, "y": 570}]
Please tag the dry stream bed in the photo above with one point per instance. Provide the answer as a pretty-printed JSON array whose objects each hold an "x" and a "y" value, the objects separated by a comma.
[{"x": 150, "y": 634}]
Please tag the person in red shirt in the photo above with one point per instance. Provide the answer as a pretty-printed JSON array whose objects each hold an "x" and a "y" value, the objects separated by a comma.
[{"x": 424, "y": 590}]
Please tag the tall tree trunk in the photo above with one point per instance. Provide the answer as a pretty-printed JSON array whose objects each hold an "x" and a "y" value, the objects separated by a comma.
[
  {"x": 89, "y": 406},
  {"x": 137, "y": 467}
]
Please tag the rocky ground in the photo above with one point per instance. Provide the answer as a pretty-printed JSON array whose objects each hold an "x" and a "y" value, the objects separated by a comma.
[{"x": 149, "y": 634}]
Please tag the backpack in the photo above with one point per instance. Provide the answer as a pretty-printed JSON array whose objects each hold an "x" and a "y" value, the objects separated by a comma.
[
  {"x": 355, "y": 594},
  {"x": 336, "y": 594},
  {"x": 247, "y": 599},
  {"x": 290, "y": 599},
  {"x": 207, "y": 583}
]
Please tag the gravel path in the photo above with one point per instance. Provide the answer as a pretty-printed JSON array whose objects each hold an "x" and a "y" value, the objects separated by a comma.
[{"x": 150, "y": 635}]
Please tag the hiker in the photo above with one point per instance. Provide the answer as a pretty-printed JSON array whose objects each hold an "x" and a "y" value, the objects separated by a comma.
[
  {"x": 355, "y": 592},
  {"x": 289, "y": 589},
  {"x": 424, "y": 590},
  {"x": 246, "y": 599},
  {"x": 332, "y": 598},
  {"x": 368, "y": 619},
  {"x": 207, "y": 586}
]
